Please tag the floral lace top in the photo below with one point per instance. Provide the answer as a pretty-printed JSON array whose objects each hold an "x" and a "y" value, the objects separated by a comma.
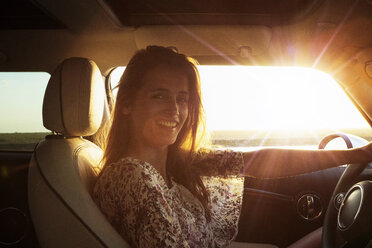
[{"x": 147, "y": 213}]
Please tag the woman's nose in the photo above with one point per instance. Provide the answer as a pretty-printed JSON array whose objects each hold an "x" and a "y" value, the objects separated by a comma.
[{"x": 172, "y": 106}]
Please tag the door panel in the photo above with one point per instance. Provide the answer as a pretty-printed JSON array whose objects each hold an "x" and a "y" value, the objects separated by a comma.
[
  {"x": 270, "y": 206},
  {"x": 16, "y": 228}
]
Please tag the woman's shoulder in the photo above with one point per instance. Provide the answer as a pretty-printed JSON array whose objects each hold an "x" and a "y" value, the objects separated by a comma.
[
  {"x": 129, "y": 170},
  {"x": 119, "y": 185},
  {"x": 122, "y": 166},
  {"x": 129, "y": 164},
  {"x": 119, "y": 179}
]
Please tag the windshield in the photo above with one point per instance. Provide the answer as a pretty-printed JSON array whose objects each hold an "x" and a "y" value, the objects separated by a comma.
[{"x": 273, "y": 106}]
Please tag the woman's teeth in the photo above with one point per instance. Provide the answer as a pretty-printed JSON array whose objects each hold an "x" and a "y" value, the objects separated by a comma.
[{"x": 170, "y": 124}]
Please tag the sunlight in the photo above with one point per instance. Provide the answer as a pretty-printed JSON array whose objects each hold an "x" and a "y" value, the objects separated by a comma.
[
  {"x": 272, "y": 98},
  {"x": 275, "y": 98}
]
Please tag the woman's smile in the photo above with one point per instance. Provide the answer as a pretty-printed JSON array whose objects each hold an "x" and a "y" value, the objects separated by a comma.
[{"x": 168, "y": 124}]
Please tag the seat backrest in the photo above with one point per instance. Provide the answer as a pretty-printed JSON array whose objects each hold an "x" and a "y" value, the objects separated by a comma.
[{"x": 64, "y": 166}]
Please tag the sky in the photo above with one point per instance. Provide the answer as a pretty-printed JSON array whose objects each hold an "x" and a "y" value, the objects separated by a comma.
[
  {"x": 235, "y": 98},
  {"x": 21, "y": 98}
]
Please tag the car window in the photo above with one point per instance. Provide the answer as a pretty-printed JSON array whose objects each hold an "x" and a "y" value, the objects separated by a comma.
[
  {"x": 273, "y": 106},
  {"x": 21, "y": 98}
]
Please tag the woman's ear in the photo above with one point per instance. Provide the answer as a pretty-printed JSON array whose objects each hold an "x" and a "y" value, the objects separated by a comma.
[{"x": 126, "y": 110}]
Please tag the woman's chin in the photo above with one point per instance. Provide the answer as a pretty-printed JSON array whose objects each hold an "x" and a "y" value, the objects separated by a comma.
[
  {"x": 162, "y": 142},
  {"x": 168, "y": 142}
]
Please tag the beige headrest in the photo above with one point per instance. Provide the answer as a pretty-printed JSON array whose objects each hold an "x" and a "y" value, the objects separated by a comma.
[{"x": 74, "y": 98}]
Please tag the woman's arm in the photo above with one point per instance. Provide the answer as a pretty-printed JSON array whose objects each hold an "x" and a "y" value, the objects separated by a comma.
[
  {"x": 274, "y": 163},
  {"x": 221, "y": 163}
]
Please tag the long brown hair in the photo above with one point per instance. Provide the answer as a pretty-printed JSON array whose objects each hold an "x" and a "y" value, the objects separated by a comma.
[{"x": 181, "y": 153}]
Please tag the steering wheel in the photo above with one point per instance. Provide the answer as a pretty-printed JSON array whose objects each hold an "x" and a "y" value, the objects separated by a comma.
[{"x": 349, "y": 212}]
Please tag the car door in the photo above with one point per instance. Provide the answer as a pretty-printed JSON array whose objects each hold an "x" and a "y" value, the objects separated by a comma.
[{"x": 20, "y": 130}]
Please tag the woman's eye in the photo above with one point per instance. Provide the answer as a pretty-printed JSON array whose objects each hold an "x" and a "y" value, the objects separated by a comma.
[
  {"x": 158, "y": 96},
  {"x": 183, "y": 99}
]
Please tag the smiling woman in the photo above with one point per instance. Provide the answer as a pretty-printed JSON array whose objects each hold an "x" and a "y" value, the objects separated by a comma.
[{"x": 270, "y": 106}]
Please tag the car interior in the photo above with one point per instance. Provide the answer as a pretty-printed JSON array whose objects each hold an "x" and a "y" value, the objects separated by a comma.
[{"x": 46, "y": 182}]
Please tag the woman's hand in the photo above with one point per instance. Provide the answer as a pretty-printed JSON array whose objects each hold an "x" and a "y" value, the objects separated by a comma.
[{"x": 367, "y": 150}]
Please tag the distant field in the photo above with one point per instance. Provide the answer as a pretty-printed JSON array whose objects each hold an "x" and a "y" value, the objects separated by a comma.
[
  {"x": 239, "y": 138},
  {"x": 27, "y": 141},
  {"x": 20, "y": 141}
]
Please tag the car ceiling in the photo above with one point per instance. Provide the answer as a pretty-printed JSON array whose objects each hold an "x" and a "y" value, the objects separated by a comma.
[
  {"x": 331, "y": 35},
  {"x": 36, "y": 35}
]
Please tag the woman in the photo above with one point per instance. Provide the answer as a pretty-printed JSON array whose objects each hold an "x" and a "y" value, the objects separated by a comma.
[{"x": 154, "y": 186}]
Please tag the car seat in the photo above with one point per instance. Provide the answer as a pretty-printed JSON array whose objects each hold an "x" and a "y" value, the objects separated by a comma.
[{"x": 65, "y": 165}]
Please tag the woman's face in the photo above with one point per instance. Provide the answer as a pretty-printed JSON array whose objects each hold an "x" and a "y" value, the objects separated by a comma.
[{"x": 160, "y": 107}]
